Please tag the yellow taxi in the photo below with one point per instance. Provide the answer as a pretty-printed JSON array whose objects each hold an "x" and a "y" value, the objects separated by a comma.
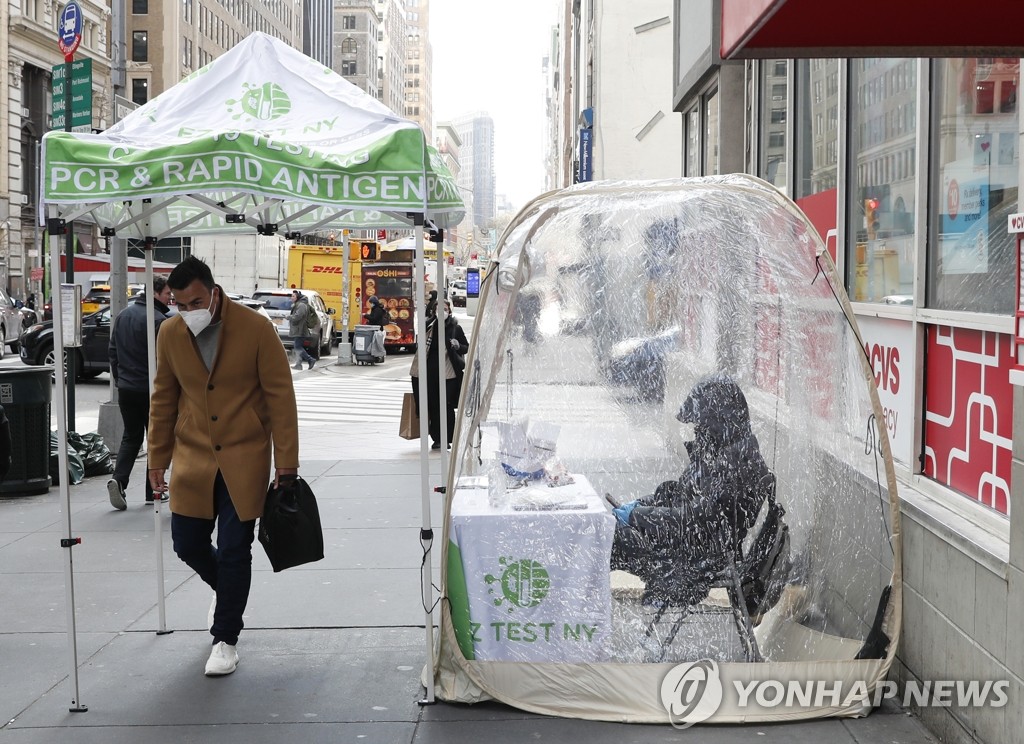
[{"x": 97, "y": 297}]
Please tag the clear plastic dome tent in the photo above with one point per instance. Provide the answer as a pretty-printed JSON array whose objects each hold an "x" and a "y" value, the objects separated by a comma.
[{"x": 683, "y": 348}]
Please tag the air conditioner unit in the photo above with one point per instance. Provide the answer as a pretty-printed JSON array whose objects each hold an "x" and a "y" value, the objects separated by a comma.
[
  {"x": 24, "y": 112},
  {"x": 24, "y": 199}
]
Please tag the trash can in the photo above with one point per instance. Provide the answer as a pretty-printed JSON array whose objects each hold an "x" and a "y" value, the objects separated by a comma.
[
  {"x": 25, "y": 395},
  {"x": 362, "y": 345}
]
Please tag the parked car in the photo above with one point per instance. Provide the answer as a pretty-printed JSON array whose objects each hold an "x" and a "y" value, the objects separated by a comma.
[
  {"x": 37, "y": 344},
  {"x": 457, "y": 293},
  {"x": 278, "y": 304},
  {"x": 252, "y": 304},
  {"x": 10, "y": 323}
]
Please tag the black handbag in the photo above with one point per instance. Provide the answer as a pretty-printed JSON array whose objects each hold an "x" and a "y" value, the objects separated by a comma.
[
  {"x": 458, "y": 361},
  {"x": 290, "y": 529}
]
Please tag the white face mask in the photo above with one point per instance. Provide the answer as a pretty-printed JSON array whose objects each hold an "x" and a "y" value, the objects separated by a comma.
[
  {"x": 447, "y": 314},
  {"x": 198, "y": 320}
]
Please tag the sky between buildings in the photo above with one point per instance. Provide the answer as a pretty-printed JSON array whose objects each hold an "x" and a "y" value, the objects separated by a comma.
[{"x": 487, "y": 57}]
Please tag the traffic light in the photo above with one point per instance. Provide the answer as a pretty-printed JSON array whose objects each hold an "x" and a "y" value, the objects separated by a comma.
[{"x": 871, "y": 217}]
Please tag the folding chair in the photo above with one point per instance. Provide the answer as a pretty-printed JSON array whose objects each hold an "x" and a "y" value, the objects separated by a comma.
[{"x": 752, "y": 571}]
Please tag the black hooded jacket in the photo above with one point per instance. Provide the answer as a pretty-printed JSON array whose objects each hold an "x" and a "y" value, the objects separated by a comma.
[
  {"x": 726, "y": 476},
  {"x": 377, "y": 316},
  {"x": 127, "y": 351}
]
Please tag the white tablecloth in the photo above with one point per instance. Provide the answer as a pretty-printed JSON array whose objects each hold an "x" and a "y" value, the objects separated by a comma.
[{"x": 536, "y": 581}]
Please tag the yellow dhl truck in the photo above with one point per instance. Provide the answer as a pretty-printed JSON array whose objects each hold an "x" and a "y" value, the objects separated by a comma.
[{"x": 386, "y": 274}]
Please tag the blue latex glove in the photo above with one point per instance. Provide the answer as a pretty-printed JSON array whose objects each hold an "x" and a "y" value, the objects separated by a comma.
[{"x": 622, "y": 512}]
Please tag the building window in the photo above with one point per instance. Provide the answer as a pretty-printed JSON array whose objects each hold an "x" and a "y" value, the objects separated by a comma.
[
  {"x": 712, "y": 163},
  {"x": 880, "y": 206},
  {"x": 971, "y": 264},
  {"x": 140, "y": 7},
  {"x": 815, "y": 143},
  {"x": 348, "y": 67},
  {"x": 348, "y": 22},
  {"x": 774, "y": 130},
  {"x": 693, "y": 142},
  {"x": 349, "y": 46},
  {"x": 140, "y": 90},
  {"x": 140, "y": 46}
]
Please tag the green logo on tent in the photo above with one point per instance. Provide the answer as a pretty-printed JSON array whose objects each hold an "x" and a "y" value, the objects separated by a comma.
[
  {"x": 261, "y": 102},
  {"x": 524, "y": 583}
]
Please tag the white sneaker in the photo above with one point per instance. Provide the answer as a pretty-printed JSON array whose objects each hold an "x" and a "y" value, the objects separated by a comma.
[
  {"x": 223, "y": 660},
  {"x": 213, "y": 609},
  {"x": 116, "y": 494}
]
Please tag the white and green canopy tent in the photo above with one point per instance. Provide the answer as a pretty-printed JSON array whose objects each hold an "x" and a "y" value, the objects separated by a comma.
[{"x": 261, "y": 139}]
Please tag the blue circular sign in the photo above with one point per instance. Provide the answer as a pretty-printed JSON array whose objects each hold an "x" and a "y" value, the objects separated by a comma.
[{"x": 69, "y": 28}]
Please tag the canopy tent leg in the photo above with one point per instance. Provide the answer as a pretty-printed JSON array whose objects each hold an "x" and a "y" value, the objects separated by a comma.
[
  {"x": 426, "y": 532},
  {"x": 442, "y": 356},
  {"x": 55, "y": 228},
  {"x": 158, "y": 533}
]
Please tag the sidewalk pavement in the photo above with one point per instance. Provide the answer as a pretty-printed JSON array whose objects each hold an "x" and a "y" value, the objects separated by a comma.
[{"x": 332, "y": 652}]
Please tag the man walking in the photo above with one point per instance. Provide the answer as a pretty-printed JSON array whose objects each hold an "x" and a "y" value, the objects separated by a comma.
[
  {"x": 129, "y": 366},
  {"x": 222, "y": 402},
  {"x": 298, "y": 328}
]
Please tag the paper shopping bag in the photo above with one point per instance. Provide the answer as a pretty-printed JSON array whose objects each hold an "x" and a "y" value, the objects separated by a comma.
[{"x": 409, "y": 428}]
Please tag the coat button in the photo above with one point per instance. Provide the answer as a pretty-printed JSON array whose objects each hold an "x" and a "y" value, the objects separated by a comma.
[
  {"x": 217, "y": 448},
  {"x": 213, "y": 418},
  {"x": 209, "y": 387}
]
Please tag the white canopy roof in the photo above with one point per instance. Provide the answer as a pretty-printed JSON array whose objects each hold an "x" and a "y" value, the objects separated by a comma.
[{"x": 261, "y": 137}]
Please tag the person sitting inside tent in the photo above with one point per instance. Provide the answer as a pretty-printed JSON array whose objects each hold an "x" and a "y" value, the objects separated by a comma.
[{"x": 668, "y": 538}]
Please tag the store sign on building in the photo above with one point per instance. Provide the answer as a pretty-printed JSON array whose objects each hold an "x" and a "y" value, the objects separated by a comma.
[
  {"x": 889, "y": 345},
  {"x": 585, "y": 171}
]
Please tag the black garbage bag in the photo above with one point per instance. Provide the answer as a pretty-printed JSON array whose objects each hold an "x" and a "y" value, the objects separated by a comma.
[
  {"x": 76, "y": 465},
  {"x": 95, "y": 454}
]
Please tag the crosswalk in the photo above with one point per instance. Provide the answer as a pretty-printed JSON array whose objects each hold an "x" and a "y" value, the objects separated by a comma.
[{"x": 349, "y": 399}]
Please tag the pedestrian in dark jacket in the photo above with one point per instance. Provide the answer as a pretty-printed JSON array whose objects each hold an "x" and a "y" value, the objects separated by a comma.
[
  {"x": 431, "y": 309},
  {"x": 298, "y": 328},
  {"x": 129, "y": 366},
  {"x": 377, "y": 316},
  {"x": 662, "y": 537},
  {"x": 455, "y": 346}
]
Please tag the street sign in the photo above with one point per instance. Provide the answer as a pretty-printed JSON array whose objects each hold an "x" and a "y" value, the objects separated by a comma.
[
  {"x": 81, "y": 96},
  {"x": 69, "y": 29},
  {"x": 123, "y": 107}
]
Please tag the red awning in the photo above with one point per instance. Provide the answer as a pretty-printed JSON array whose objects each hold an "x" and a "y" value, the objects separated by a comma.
[{"x": 757, "y": 29}]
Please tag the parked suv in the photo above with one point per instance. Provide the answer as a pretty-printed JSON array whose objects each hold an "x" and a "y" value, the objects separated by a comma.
[{"x": 278, "y": 303}]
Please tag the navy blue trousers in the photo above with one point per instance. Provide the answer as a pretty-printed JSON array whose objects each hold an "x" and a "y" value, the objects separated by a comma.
[{"x": 227, "y": 568}]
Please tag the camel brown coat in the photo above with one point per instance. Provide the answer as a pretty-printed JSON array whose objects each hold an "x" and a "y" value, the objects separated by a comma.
[{"x": 227, "y": 419}]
